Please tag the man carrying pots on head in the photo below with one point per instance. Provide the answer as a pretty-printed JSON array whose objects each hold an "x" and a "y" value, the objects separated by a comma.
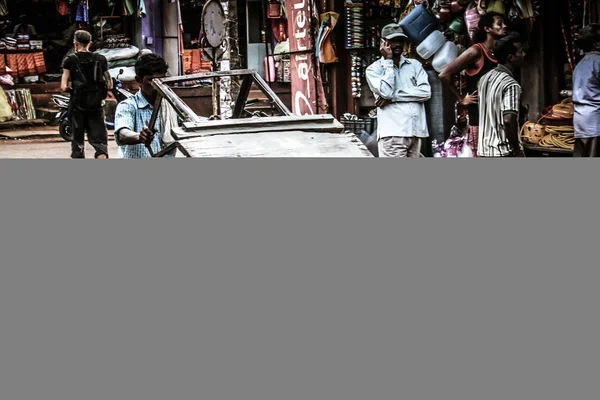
[
  {"x": 476, "y": 61},
  {"x": 401, "y": 87}
]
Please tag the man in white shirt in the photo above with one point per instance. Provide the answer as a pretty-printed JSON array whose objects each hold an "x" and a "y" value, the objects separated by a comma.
[{"x": 401, "y": 88}]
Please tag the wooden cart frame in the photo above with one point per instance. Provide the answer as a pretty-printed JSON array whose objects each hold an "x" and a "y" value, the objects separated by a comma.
[{"x": 195, "y": 126}]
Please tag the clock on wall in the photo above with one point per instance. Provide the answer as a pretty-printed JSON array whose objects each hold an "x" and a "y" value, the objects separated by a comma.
[{"x": 213, "y": 23}]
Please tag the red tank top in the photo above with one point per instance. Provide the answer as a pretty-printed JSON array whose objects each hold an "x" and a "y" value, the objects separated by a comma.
[{"x": 486, "y": 64}]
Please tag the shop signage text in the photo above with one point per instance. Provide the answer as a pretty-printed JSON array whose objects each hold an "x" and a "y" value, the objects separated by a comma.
[{"x": 302, "y": 73}]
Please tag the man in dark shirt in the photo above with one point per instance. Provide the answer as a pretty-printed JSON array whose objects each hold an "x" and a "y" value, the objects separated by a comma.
[{"x": 90, "y": 79}]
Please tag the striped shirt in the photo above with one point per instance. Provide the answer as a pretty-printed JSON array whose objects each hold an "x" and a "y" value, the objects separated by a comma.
[{"x": 499, "y": 94}]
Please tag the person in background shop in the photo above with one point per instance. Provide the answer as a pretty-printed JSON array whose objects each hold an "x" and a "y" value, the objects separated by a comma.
[
  {"x": 401, "y": 87},
  {"x": 132, "y": 133},
  {"x": 586, "y": 94},
  {"x": 4, "y": 28},
  {"x": 476, "y": 61},
  {"x": 85, "y": 109},
  {"x": 25, "y": 28},
  {"x": 500, "y": 100}
]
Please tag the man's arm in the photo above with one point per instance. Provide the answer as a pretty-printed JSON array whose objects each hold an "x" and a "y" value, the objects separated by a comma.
[
  {"x": 382, "y": 79},
  {"x": 420, "y": 92},
  {"x": 125, "y": 125},
  {"x": 109, "y": 81},
  {"x": 107, "y": 76},
  {"x": 511, "y": 98},
  {"x": 64, "y": 82},
  {"x": 470, "y": 56}
]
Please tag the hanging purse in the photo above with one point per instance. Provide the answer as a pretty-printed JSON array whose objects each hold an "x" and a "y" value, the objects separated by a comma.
[{"x": 472, "y": 18}]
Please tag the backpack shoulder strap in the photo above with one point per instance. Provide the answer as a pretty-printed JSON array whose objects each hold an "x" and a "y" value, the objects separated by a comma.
[{"x": 78, "y": 66}]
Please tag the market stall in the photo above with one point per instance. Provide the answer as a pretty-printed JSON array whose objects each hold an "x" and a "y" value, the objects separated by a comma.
[
  {"x": 36, "y": 36},
  {"x": 438, "y": 31}
]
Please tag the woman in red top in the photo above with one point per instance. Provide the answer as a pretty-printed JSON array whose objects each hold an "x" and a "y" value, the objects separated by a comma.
[{"x": 476, "y": 61}]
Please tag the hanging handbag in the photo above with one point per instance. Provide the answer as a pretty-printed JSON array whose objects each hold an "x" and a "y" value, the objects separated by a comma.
[{"x": 472, "y": 18}]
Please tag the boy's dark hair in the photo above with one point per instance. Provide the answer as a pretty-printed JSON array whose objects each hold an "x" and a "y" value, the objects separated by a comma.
[
  {"x": 588, "y": 37},
  {"x": 505, "y": 47},
  {"x": 83, "y": 37},
  {"x": 150, "y": 64},
  {"x": 486, "y": 21}
]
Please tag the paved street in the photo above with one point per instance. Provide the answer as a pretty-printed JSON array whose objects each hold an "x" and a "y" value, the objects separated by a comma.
[{"x": 46, "y": 148}]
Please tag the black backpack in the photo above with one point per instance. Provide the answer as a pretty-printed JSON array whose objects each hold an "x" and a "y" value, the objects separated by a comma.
[{"x": 89, "y": 87}]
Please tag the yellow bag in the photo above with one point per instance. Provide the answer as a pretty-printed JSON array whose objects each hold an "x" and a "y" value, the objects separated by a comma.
[
  {"x": 495, "y": 6},
  {"x": 6, "y": 113}
]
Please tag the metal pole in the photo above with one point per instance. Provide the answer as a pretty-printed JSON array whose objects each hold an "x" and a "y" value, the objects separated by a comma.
[
  {"x": 314, "y": 57},
  {"x": 268, "y": 38}
]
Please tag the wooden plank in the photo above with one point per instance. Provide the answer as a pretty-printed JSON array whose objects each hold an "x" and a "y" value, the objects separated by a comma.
[
  {"x": 206, "y": 75},
  {"x": 314, "y": 123},
  {"x": 240, "y": 102},
  {"x": 280, "y": 119},
  {"x": 288, "y": 144},
  {"x": 263, "y": 86}
]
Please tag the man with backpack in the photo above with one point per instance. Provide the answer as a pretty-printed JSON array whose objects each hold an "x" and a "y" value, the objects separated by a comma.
[{"x": 91, "y": 82}]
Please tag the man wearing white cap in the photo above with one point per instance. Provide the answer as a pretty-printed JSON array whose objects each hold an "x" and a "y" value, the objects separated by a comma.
[{"x": 401, "y": 88}]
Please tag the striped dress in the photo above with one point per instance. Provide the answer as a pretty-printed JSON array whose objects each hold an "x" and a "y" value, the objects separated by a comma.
[{"x": 499, "y": 94}]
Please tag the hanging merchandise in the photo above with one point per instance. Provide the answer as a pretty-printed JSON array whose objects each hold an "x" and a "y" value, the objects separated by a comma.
[
  {"x": 356, "y": 74},
  {"x": 274, "y": 9},
  {"x": 3, "y": 8},
  {"x": 445, "y": 56},
  {"x": 279, "y": 29},
  {"x": 141, "y": 9},
  {"x": 496, "y": 6},
  {"x": 129, "y": 7},
  {"x": 419, "y": 24},
  {"x": 325, "y": 47},
  {"x": 445, "y": 10},
  {"x": 21, "y": 103},
  {"x": 6, "y": 112},
  {"x": 431, "y": 45},
  {"x": 354, "y": 30},
  {"x": 458, "y": 26},
  {"x": 82, "y": 14},
  {"x": 472, "y": 17},
  {"x": 62, "y": 6}
]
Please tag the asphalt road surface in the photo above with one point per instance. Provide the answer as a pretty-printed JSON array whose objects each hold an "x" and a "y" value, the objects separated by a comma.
[{"x": 47, "y": 148}]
